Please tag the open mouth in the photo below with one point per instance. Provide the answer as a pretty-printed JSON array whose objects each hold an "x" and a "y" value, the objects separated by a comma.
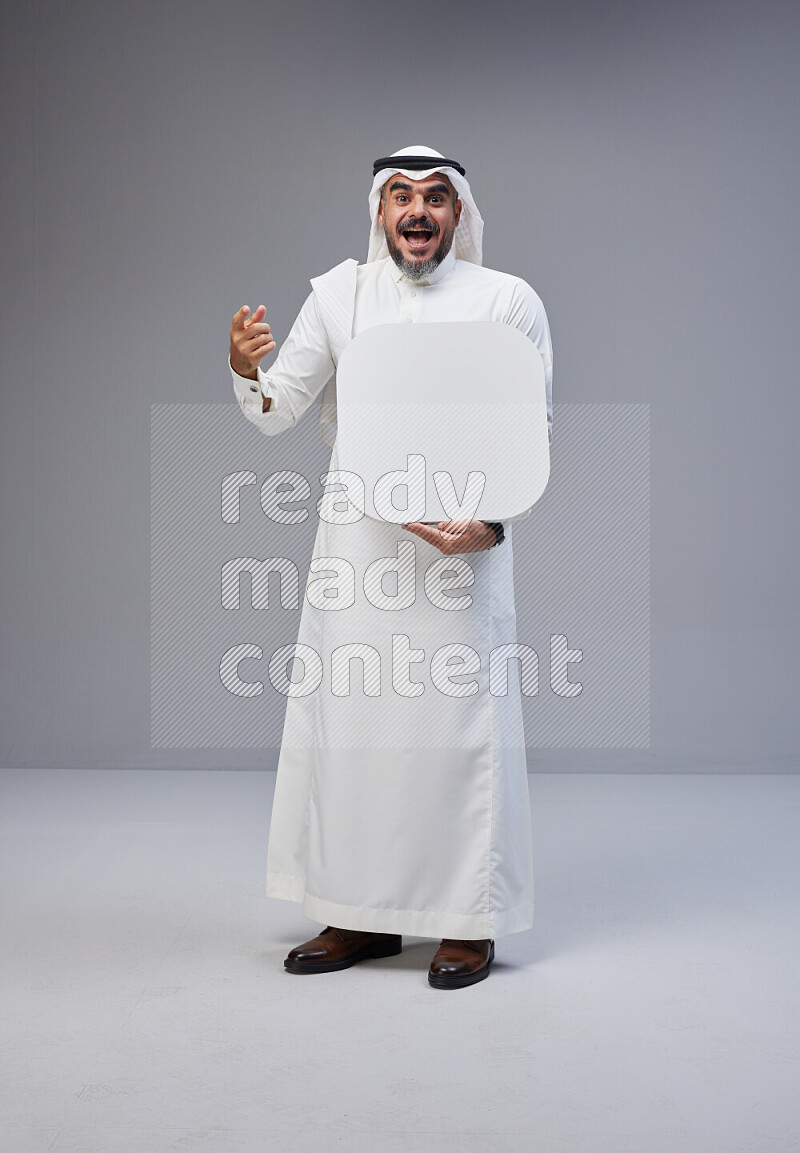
[{"x": 417, "y": 238}]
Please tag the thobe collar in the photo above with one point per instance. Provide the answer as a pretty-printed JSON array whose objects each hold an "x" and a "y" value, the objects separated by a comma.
[{"x": 439, "y": 273}]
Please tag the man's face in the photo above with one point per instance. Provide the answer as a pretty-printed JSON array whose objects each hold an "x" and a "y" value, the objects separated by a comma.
[{"x": 419, "y": 218}]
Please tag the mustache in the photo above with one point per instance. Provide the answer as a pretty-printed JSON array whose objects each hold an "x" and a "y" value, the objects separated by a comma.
[{"x": 422, "y": 223}]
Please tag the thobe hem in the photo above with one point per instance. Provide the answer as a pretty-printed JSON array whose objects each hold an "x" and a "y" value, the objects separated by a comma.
[{"x": 414, "y": 922}]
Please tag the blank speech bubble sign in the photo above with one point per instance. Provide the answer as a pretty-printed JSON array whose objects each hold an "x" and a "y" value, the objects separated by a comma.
[{"x": 444, "y": 421}]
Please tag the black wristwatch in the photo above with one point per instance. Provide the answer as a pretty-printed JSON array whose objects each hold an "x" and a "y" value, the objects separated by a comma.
[{"x": 499, "y": 532}]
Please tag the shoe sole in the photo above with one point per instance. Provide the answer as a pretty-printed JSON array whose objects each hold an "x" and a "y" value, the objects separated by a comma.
[
  {"x": 460, "y": 981},
  {"x": 367, "y": 953}
]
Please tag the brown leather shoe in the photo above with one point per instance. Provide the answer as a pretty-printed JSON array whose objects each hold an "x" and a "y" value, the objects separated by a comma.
[
  {"x": 459, "y": 963},
  {"x": 339, "y": 949}
]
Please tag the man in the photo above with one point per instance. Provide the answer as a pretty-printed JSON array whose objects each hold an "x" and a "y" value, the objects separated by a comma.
[{"x": 402, "y": 808}]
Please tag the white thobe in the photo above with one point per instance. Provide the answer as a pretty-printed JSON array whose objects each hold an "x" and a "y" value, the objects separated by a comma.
[{"x": 401, "y": 799}]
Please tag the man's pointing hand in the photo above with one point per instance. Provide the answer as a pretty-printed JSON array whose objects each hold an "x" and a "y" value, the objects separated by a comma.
[{"x": 251, "y": 341}]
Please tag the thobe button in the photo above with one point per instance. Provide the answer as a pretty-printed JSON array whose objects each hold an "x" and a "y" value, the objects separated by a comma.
[{"x": 253, "y": 388}]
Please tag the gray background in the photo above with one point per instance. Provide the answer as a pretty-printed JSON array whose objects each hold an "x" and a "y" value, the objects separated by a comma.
[{"x": 166, "y": 163}]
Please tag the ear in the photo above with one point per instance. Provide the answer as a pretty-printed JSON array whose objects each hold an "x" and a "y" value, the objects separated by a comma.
[
  {"x": 380, "y": 208},
  {"x": 457, "y": 210}
]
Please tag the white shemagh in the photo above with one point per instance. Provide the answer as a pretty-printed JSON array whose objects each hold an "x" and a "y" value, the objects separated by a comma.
[{"x": 468, "y": 242}]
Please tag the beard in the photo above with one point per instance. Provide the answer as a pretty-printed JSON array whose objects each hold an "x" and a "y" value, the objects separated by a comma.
[{"x": 418, "y": 269}]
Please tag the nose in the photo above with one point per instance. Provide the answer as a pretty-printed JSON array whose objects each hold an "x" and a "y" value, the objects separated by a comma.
[{"x": 418, "y": 205}]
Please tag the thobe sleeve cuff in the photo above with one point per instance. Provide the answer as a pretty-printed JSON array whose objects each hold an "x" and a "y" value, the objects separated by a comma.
[
  {"x": 250, "y": 395},
  {"x": 248, "y": 392}
]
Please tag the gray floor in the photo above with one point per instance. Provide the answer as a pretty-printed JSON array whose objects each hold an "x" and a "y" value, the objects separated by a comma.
[{"x": 653, "y": 1008}]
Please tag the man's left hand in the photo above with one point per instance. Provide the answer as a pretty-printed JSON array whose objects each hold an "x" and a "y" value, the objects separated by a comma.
[{"x": 453, "y": 537}]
